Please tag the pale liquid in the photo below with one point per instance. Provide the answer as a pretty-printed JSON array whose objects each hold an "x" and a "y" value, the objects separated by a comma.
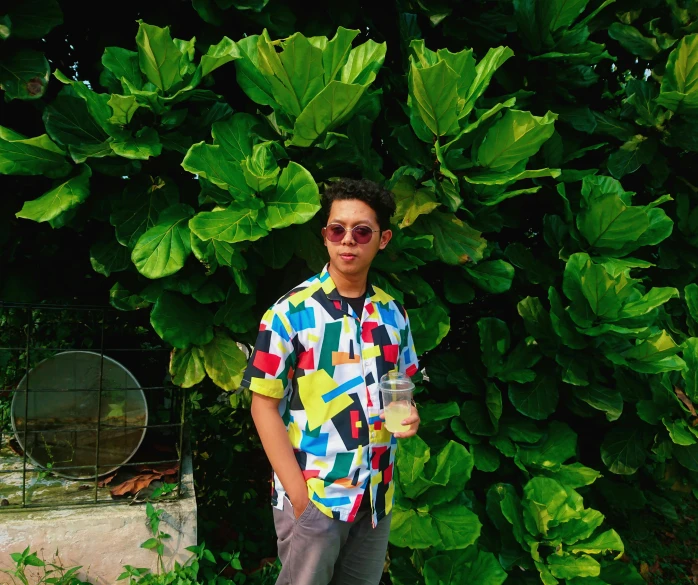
[{"x": 395, "y": 413}]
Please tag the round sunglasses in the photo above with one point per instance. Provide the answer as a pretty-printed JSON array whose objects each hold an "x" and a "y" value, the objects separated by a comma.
[{"x": 361, "y": 234}]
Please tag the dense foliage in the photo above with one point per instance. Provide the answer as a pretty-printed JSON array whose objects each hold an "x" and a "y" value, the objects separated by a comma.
[{"x": 544, "y": 244}]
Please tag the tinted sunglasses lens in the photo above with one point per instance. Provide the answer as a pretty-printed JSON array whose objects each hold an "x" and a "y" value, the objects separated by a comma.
[
  {"x": 335, "y": 233},
  {"x": 362, "y": 234}
]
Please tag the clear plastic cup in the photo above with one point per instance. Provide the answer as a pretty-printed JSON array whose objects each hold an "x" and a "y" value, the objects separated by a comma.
[{"x": 397, "y": 390}]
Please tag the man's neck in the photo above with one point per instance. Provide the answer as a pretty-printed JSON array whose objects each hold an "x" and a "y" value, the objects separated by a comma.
[{"x": 349, "y": 285}]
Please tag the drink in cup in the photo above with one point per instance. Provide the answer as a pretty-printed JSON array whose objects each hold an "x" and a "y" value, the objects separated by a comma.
[{"x": 396, "y": 389}]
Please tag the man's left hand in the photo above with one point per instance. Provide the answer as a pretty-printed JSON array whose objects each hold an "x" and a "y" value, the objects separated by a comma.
[{"x": 412, "y": 421}]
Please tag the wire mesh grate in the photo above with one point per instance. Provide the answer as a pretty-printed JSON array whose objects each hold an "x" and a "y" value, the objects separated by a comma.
[{"x": 88, "y": 414}]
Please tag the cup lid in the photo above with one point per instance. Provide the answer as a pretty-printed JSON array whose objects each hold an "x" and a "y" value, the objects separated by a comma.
[{"x": 396, "y": 381}]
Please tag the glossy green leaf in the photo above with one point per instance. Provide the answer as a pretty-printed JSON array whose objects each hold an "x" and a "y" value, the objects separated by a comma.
[
  {"x": 623, "y": 450},
  {"x": 69, "y": 123},
  {"x": 494, "y": 276},
  {"x": 235, "y": 135},
  {"x": 690, "y": 373},
  {"x": 123, "y": 300},
  {"x": 225, "y": 362},
  {"x": 537, "y": 400},
  {"x": 429, "y": 327},
  {"x": 557, "y": 445},
  {"x": 328, "y": 109},
  {"x": 212, "y": 162},
  {"x": 109, "y": 256},
  {"x": 434, "y": 94},
  {"x": 234, "y": 224},
  {"x": 163, "y": 249},
  {"x": 158, "y": 56},
  {"x": 455, "y": 242},
  {"x": 181, "y": 322},
  {"x": 187, "y": 367},
  {"x": 363, "y": 63},
  {"x": 679, "y": 90},
  {"x": 567, "y": 566},
  {"x": 59, "y": 199},
  {"x": 634, "y": 41},
  {"x": 123, "y": 107},
  {"x": 24, "y": 74},
  {"x": 515, "y": 137},
  {"x": 218, "y": 55},
  {"x": 336, "y": 53},
  {"x": 31, "y": 156},
  {"x": 484, "y": 71},
  {"x": 144, "y": 144},
  {"x": 412, "y": 201},
  {"x": 140, "y": 206},
  {"x": 123, "y": 64}
]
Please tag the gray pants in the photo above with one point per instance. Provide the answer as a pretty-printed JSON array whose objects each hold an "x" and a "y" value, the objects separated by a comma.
[{"x": 317, "y": 550}]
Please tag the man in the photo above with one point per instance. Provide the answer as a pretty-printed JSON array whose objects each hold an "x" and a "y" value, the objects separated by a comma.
[{"x": 314, "y": 374}]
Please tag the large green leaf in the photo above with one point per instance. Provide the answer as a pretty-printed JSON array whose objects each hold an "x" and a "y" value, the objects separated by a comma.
[
  {"x": 567, "y": 566},
  {"x": 537, "y": 399},
  {"x": 158, "y": 56},
  {"x": 634, "y": 41},
  {"x": 218, "y": 55},
  {"x": 434, "y": 94},
  {"x": 109, "y": 256},
  {"x": 457, "y": 526},
  {"x": 690, "y": 373},
  {"x": 24, "y": 74},
  {"x": 335, "y": 54},
  {"x": 249, "y": 77},
  {"x": 623, "y": 450},
  {"x": 429, "y": 326},
  {"x": 609, "y": 224},
  {"x": 20, "y": 155},
  {"x": 234, "y": 224},
  {"x": 296, "y": 198},
  {"x": 140, "y": 206},
  {"x": 123, "y": 64},
  {"x": 141, "y": 146},
  {"x": 455, "y": 242},
  {"x": 558, "y": 444},
  {"x": 412, "y": 201},
  {"x": 187, "y": 367},
  {"x": 163, "y": 249},
  {"x": 59, "y": 199},
  {"x": 680, "y": 81},
  {"x": 32, "y": 19},
  {"x": 516, "y": 136},
  {"x": 225, "y": 362},
  {"x": 328, "y": 109},
  {"x": 484, "y": 71},
  {"x": 235, "y": 135},
  {"x": 212, "y": 162},
  {"x": 494, "y": 276},
  {"x": 413, "y": 529},
  {"x": 68, "y": 121},
  {"x": 180, "y": 321},
  {"x": 363, "y": 63},
  {"x": 295, "y": 75}
]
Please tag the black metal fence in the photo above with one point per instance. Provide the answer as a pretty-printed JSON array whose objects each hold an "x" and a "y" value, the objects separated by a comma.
[{"x": 69, "y": 439}]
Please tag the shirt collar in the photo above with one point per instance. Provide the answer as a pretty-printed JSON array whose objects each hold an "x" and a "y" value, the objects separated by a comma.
[{"x": 330, "y": 289}]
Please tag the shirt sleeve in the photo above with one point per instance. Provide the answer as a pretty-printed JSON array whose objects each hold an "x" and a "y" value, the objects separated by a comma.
[
  {"x": 408, "y": 356},
  {"x": 273, "y": 359}
]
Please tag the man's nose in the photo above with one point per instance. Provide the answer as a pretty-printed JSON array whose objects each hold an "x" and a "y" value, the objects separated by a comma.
[{"x": 348, "y": 238}]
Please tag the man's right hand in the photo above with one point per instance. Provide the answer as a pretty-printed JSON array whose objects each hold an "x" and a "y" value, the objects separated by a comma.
[{"x": 300, "y": 507}]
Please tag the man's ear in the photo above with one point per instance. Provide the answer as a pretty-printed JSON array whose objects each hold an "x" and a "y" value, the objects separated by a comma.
[{"x": 385, "y": 238}]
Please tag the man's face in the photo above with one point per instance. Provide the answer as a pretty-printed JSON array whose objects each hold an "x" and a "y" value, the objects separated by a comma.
[{"x": 347, "y": 256}]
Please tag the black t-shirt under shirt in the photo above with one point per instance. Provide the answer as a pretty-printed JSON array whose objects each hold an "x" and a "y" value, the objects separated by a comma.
[{"x": 357, "y": 303}]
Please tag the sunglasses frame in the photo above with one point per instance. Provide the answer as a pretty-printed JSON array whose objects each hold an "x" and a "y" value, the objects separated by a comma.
[{"x": 353, "y": 235}]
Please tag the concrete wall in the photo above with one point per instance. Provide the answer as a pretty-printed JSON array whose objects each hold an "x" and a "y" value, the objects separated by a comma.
[{"x": 101, "y": 538}]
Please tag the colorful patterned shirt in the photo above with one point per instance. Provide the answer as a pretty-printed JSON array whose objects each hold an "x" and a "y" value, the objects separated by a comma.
[{"x": 324, "y": 362}]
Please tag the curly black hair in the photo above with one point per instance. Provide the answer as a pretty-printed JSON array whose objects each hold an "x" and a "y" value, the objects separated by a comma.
[{"x": 372, "y": 194}]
